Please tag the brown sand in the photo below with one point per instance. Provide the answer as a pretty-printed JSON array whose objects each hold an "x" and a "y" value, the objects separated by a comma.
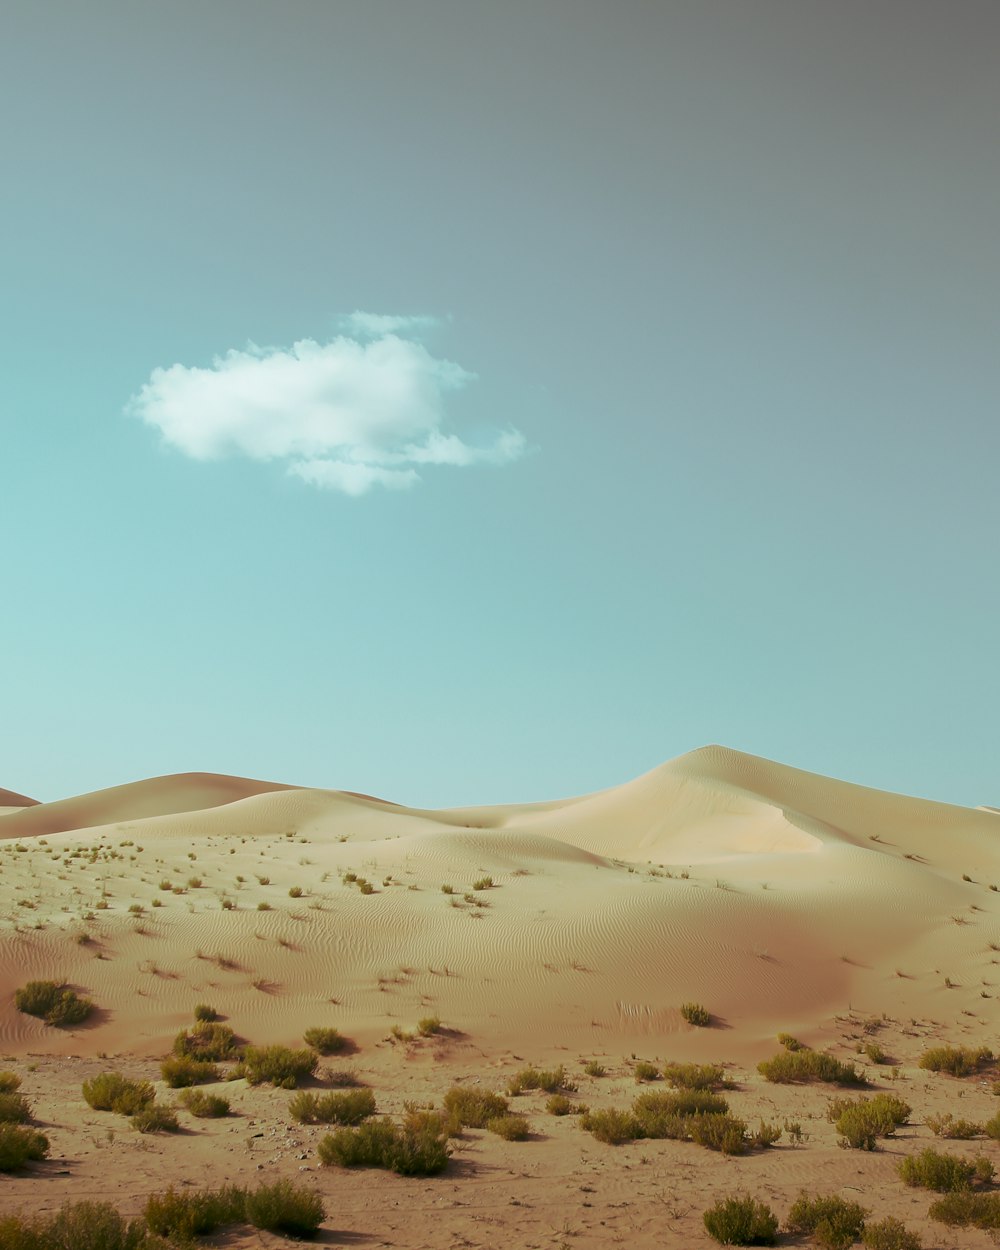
[{"x": 781, "y": 900}]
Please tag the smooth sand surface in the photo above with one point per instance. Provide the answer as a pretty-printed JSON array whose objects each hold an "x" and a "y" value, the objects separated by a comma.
[{"x": 781, "y": 900}]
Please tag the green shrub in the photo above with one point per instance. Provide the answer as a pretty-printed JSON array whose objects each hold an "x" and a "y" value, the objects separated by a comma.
[
  {"x": 889, "y": 1234},
  {"x": 419, "y": 1148},
  {"x": 473, "y": 1107},
  {"x": 204, "y": 1106},
  {"x": 76, "y": 1226},
  {"x": 483, "y": 883},
  {"x": 155, "y": 1118},
  {"x": 593, "y": 1068},
  {"x": 9, "y": 1082},
  {"x": 369, "y": 1145},
  {"x": 788, "y": 1067},
  {"x": 183, "y": 1216},
  {"x": 14, "y": 1109},
  {"x": 277, "y": 1064},
  {"x": 831, "y": 1221},
  {"x": 325, "y": 1041},
  {"x": 696, "y": 1014},
  {"x": 933, "y": 1170},
  {"x": 54, "y": 1003},
  {"x": 559, "y": 1104},
  {"x": 696, "y": 1076},
  {"x": 955, "y": 1130},
  {"x": 551, "y": 1081},
  {"x": 645, "y": 1072},
  {"x": 788, "y": 1041},
  {"x": 19, "y": 1145},
  {"x": 741, "y": 1221},
  {"x": 509, "y": 1127},
  {"x": 611, "y": 1126},
  {"x": 205, "y": 1014},
  {"x": 859, "y": 1123},
  {"x": 350, "y": 1107},
  {"x": 766, "y": 1134},
  {"x": 875, "y": 1053},
  {"x": 992, "y": 1127},
  {"x": 956, "y": 1060},
  {"x": 207, "y": 1040},
  {"x": 113, "y": 1092},
  {"x": 428, "y": 1026},
  {"x": 963, "y": 1207},
  {"x": 284, "y": 1207},
  {"x": 180, "y": 1071},
  {"x": 724, "y": 1133}
]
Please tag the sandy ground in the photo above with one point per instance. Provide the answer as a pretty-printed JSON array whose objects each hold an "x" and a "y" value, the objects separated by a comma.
[{"x": 780, "y": 900}]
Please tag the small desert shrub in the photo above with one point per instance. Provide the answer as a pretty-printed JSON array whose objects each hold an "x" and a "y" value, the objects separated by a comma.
[
  {"x": 54, "y": 1003},
  {"x": 295, "y": 892},
  {"x": 483, "y": 883},
  {"x": 788, "y": 1067},
  {"x": 875, "y": 1053},
  {"x": 957, "y": 1130},
  {"x": 559, "y": 1104},
  {"x": 956, "y": 1060},
  {"x": 14, "y": 1109},
  {"x": 184, "y": 1216},
  {"x": 19, "y": 1145},
  {"x": 992, "y": 1127},
  {"x": 113, "y": 1092},
  {"x": 832, "y": 1221},
  {"x": 153, "y": 1117},
  {"x": 209, "y": 1041},
  {"x": 789, "y": 1042},
  {"x": 696, "y": 1014},
  {"x": 76, "y": 1226},
  {"x": 593, "y": 1068},
  {"x": 180, "y": 1071},
  {"x": 204, "y": 1106},
  {"x": 509, "y": 1127},
  {"x": 645, "y": 1072},
  {"x": 350, "y": 1107},
  {"x": 611, "y": 1126},
  {"x": 203, "y": 1012},
  {"x": 279, "y": 1065},
  {"x": 889, "y": 1234},
  {"x": 933, "y": 1170},
  {"x": 284, "y": 1207},
  {"x": 964, "y": 1207},
  {"x": 428, "y": 1026},
  {"x": 419, "y": 1148},
  {"x": 9, "y": 1082},
  {"x": 862, "y": 1121},
  {"x": 724, "y": 1133},
  {"x": 471, "y": 1108},
  {"x": 551, "y": 1080},
  {"x": 741, "y": 1221},
  {"x": 325, "y": 1041},
  {"x": 696, "y": 1076}
]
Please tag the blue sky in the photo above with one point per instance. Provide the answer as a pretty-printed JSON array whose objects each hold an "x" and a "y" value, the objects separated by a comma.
[{"x": 673, "y": 418}]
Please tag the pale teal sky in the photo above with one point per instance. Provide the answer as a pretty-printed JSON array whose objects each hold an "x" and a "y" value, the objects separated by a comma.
[{"x": 726, "y": 276}]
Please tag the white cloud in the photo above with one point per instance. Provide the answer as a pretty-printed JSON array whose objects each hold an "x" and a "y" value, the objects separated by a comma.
[
  {"x": 373, "y": 325},
  {"x": 346, "y": 415}
]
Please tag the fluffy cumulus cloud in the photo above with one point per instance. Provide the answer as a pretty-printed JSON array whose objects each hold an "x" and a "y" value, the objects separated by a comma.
[{"x": 363, "y": 410}]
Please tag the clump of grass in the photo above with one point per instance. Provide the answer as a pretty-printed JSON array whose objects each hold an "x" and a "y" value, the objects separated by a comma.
[
  {"x": 325, "y": 1041},
  {"x": 833, "y": 1222},
  {"x": 789, "y": 1042},
  {"x": 472, "y": 1108},
  {"x": 428, "y": 1026},
  {"x": 483, "y": 883},
  {"x": 593, "y": 1068},
  {"x": 956, "y": 1060},
  {"x": 183, "y": 1216},
  {"x": 696, "y": 1076},
  {"x": 644, "y": 1071},
  {"x": 207, "y": 1040},
  {"x": 180, "y": 1071},
  {"x": 295, "y": 892},
  {"x": 889, "y": 1234},
  {"x": 350, "y": 1107},
  {"x": 933, "y": 1170},
  {"x": 550, "y": 1080},
  {"x": 964, "y": 1207},
  {"x": 559, "y": 1104},
  {"x": 20, "y": 1145},
  {"x": 278, "y": 1065},
  {"x": 9, "y": 1082},
  {"x": 611, "y": 1126},
  {"x": 154, "y": 1117},
  {"x": 509, "y": 1127},
  {"x": 14, "y": 1109},
  {"x": 874, "y": 1053},
  {"x": 284, "y": 1207},
  {"x": 419, "y": 1147},
  {"x": 861, "y": 1122},
  {"x": 52, "y": 1002},
  {"x": 447, "y": 889},
  {"x": 696, "y": 1014},
  {"x": 90, "y": 1225},
  {"x": 205, "y": 1014},
  {"x": 204, "y": 1106},
  {"x": 741, "y": 1221},
  {"x": 110, "y": 1091},
  {"x": 957, "y": 1130},
  {"x": 788, "y": 1067}
]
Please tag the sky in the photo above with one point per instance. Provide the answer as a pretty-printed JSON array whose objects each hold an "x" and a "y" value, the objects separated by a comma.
[{"x": 478, "y": 402}]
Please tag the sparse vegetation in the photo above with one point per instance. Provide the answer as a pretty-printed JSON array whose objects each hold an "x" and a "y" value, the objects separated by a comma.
[
  {"x": 593, "y": 1068},
  {"x": 833, "y": 1222},
  {"x": 20, "y": 1145},
  {"x": 52, "y": 1002},
  {"x": 696, "y": 1014},
  {"x": 76, "y": 1226},
  {"x": 179, "y": 1071},
  {"x": 205, "y": 1014},
  {"x": 483, "y": 883},
  {"x": 958, "y": 1130},
  {"x": 789, "y": 1042},
  {"x": 204, "y": 1106},
  {"x": 741, "y": 1221},
  {"x": 428, "y": 1026},
  {"x": 889, "y": 1234},
  {"x": 933, "y": 1170},
  {"x": 183, "y": 1216},
  {"x": 349, "y": 1108},
  {"x": 509, "y": 1127},
  {"x": 956, "y": 1060},
  {"x": 550, "y": 1080},
  {"x": 861, "y": 1122},
  {"x": 9, "y": 1082},
  {"x": 418, "y": 1148},
  {"x": 154, "y": 1117},
  {"x": 696, "y": 1076},
  {"x": 284, "y": 1207},
  {"x": 110, "y": 1091},
  {"x": 789, "y": 1067},
  {"x": 472, "y": 1108},
  {"x": 644, "y": 1071},
  {"x": 325, "y": 1041},
  {"x": 963, "y": 1207},
  {"x": 207, "y": 1040}
]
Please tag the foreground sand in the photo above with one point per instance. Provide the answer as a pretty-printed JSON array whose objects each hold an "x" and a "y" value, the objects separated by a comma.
[{"x": 780, "y": 900}]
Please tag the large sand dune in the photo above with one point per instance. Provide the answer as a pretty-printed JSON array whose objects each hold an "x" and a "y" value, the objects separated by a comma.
[{"x": 771, "y": 895}]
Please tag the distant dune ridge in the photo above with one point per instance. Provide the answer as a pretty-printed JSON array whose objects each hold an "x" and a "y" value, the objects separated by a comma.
[
  {"x": 769, "y": 894},
  {"x": 10, "y": 798}
]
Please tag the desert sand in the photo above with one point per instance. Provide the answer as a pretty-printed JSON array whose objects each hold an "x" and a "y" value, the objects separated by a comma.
[{"x": 781, "y": 900}]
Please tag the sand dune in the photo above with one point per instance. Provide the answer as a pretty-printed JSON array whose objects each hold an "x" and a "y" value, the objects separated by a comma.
[{"x": 10, "y": 798}]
